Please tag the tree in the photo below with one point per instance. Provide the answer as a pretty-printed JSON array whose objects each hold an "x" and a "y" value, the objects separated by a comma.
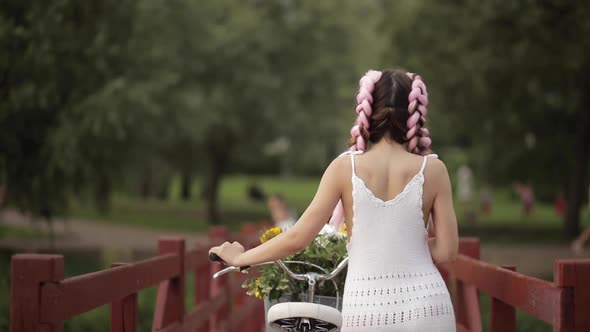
[
  {"x": 243, "y": 73},
  {"x": 510, "y": 77},
  {"x": 95, "y": 92},
  {"x": 56, "y": 56}
]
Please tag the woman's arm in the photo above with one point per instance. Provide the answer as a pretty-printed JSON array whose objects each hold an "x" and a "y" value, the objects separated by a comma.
[
  {"x": 445, "y": 245},
  {"x": 302, "y": 233}
]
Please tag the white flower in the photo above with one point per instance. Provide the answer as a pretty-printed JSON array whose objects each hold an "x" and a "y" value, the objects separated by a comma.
[
  {"x": 327, "y": 230},
  {"x": 327, "y": 233}
]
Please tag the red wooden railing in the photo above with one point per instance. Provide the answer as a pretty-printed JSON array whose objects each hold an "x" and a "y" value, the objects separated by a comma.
[
  {"x": 564, "y": 303},
  {"x": 41, "y": 299}
]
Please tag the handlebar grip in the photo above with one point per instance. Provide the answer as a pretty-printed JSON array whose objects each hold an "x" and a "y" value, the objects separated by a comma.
[{"x": 215, "y": 258}]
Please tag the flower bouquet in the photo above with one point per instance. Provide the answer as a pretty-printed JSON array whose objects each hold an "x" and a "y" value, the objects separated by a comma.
[{"x": 325, "y": 252}]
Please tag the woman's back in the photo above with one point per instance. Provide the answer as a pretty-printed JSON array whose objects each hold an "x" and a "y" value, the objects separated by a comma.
[
  {"x": 386, "y": 172},
  {"x": 386, "y": 204},
  {"x": 392, "y": 282}
]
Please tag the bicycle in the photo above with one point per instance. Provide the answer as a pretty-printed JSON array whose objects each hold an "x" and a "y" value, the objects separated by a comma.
[{"x": 299, "y": 316}]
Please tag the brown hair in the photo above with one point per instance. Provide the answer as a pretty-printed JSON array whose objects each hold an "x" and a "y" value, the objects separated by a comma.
[{"x": 390, "y": 110}]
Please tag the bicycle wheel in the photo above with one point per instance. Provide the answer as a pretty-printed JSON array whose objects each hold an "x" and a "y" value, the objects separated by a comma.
[{"x": 303, "y": 317}]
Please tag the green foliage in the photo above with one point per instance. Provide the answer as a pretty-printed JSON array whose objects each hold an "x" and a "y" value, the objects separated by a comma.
[
  {"x": 326, "y": 251},
  {"x": 240, "y": 74},
  {"x": 101, "y": 95},
  {"x": 506, "y": 83},
  {"x": 501, "y": 69},
  {"x": 55, "y": 56}
]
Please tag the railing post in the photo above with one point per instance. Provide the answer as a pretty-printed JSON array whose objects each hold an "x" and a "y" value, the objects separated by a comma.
[
  {"x": 502, "y": 315},
  {"x": 202, "y": 286},
  {"x": 466, "y": 302},
  {"x": 124, "y": 312},
  {"x": 251, "y": 322},
  {"x": 573, "y": 276},
  {"x": 170, "y": 301},
  {"x": 28, "y": 272},
  {"x": 218, "y": 235},
  {"x": 469, "y": 246}
]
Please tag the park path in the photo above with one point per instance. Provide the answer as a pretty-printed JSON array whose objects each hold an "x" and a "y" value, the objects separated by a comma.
[
  {"x": 78, "y": 234},
  {"x": 531, "y": 259}
]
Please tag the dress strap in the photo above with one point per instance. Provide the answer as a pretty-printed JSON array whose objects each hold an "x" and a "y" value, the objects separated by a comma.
[
  {"x": 425, "y": 160},
  {"x": 352, "y": 153}
]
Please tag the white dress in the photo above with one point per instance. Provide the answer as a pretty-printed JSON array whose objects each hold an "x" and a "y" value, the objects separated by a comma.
[{"x": 392, "y": 283}]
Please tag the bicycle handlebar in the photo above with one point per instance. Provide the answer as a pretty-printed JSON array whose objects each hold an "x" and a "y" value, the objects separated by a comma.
[
  {"x": 296, "y": 276},
  {"x": 215, "y": 258}
]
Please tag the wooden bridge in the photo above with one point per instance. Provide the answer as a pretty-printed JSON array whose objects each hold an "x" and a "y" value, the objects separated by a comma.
[{"x": 41, "y": 299}]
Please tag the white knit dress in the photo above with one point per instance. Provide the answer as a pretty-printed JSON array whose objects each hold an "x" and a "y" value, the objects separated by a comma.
[{"x": 392, "y": 283}]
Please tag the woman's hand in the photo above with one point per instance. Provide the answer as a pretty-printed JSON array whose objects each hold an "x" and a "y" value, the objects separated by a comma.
[{"x": 229, "y": 252}]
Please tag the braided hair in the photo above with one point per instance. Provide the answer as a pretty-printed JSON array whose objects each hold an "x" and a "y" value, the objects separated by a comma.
[
  {"x": 418, "y": 135},
  {"x": 363, "y": 109},
  {"x": 392, "y": 104}
]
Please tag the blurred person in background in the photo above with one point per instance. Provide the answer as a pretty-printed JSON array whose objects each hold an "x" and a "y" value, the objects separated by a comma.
[
  {"x": 2, "y": 196},
  {"x": 580, "y": 242},
  {"x": 465, "y": 188},
  {"x": 282, "y": 216},
  {"x": 527, "y": 197},
  {"x": 485, "y": 201},
  {"x": 560, "y": 204}
]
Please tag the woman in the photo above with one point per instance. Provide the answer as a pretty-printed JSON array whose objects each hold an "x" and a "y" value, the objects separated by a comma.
[
  {"x": 580, "y": 241},
  {"x": 281, "y": 215},
  {"x": 387, "y": 195}
]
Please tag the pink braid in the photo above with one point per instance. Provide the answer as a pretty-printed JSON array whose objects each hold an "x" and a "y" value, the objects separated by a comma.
[
  {"x": 419, "y": 138},
  {"x": 364, "y": 99}
]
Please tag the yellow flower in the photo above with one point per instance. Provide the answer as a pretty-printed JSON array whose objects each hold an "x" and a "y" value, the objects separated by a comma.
[
  {"x": 269, "y": 234},
  {"x": 257, "y": 293},
  {"x": 343, "y": 230}
]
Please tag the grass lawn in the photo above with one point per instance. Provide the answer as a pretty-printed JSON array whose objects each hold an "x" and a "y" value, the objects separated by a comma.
[
  {"x": 505, "y": 224},
  {"x": 524, "y": 321},
  {"x": 176, "y": 214},
  {"x": 12, "y": 232}
]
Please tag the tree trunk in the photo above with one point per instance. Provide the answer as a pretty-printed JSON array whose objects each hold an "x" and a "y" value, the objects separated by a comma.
[
  {"x": 574, "y": 203},
  {"x": 187, "y": 181},
  {"x": 212, "y": 193},
  {"x": 51, "y": 234},
  {"x": 103, "y": 195},
  {"x": 163, "y": 189},
  {"x": 217, "y": 162},
  {"x": 47, "y": 214},
  {"x": 145, "y": 183},
  {"x": 578, "y": 178}
]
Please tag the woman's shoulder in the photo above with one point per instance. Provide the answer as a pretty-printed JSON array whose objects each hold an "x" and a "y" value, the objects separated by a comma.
[
  {"x": 436, "y": 164},
  {"x": 341, "y": 165},
  {"x": 436, "y": 169}
]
